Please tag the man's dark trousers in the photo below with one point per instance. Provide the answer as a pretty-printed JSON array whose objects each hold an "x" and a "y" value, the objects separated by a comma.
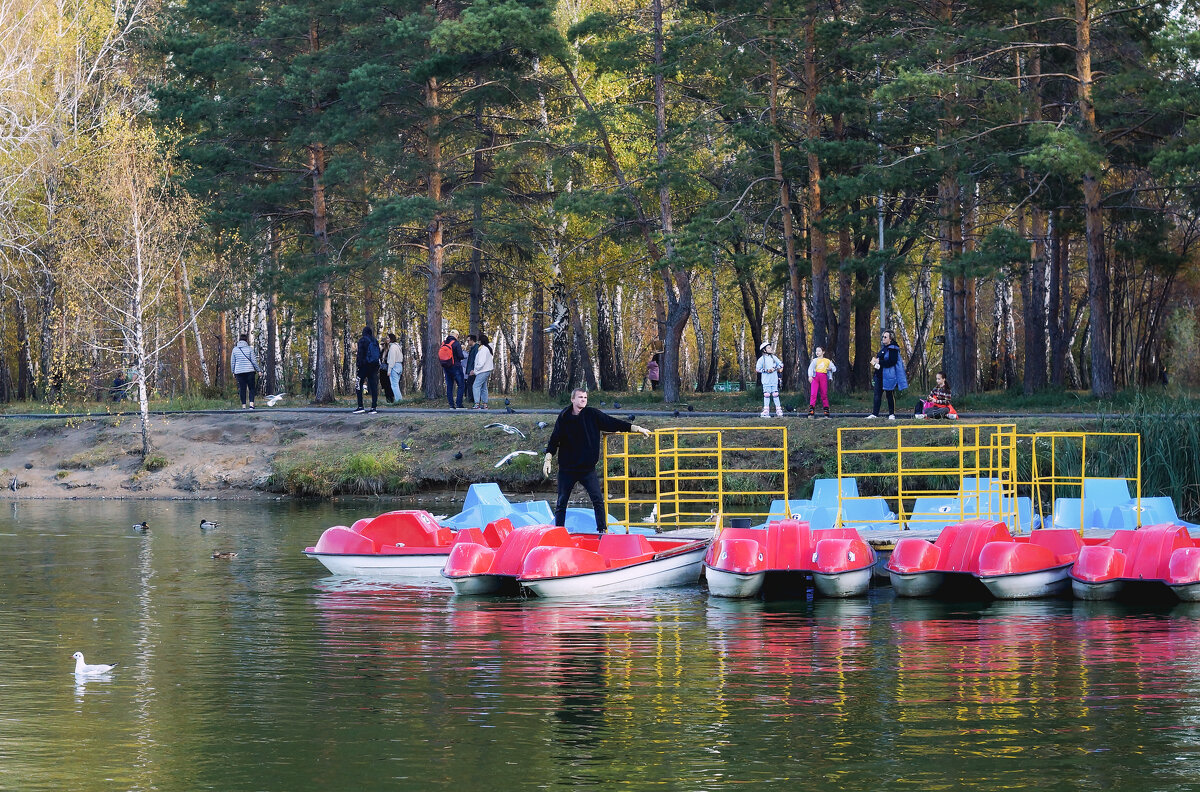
[
  {"x": 454, "y": 378},
  {"x": 591, "y": 483}
]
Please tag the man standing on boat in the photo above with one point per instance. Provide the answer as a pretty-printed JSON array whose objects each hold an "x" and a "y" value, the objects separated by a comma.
[{"x": 576, "y": 438}]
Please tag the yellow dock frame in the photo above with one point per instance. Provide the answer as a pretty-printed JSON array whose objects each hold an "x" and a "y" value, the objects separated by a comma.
[
  {"x": 919, "y": 464},
  {"x": 1047, "y": 473},
  {"x": 691, "y": 475}
]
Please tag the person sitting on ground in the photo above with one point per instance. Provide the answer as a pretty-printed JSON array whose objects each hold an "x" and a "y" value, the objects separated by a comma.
[{"x": 937, "y": 403}]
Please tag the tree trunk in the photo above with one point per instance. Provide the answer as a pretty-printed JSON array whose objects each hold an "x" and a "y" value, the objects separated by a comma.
[
  {"x": 432, "y": 369},
  {"x": 476, "y": 296},
  {"x": 193, "y": 320},
  {"x": 1098, "y": 285},
  {"x": 818, "y": 252},
  {"x": 537, "y": 344},
  {"x": 714, "y": 343},
  {"x": 863, "y": 334},
  {"x": 1060, "y": 301},
  {"x": 25, "y": 386},
  {"x": 605, "y": 353},
  {"x": 184, "y": 378}
]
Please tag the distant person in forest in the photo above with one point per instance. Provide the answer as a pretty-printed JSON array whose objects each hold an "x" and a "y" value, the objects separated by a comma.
[
  {"x": 652, "y": 372},
  {"x": 245, "y": 367},
  {"x": 481, "y": 371},
  {"x": 770, "y": 368},
  {"x": 385, "y": 383},
  {"x": 819, "y": 369},
  {"x": 937, "y": 403},
  {"x": 576, "y": 438},
  {"x": 366, "y": 360},
  {"x": 450, "y": 355},
  {"x": 395, "y": 367},
  {"x": 889, "y": 375},
  {"x": 469, "y": 367},
  {"x": 118, "y": 387}
]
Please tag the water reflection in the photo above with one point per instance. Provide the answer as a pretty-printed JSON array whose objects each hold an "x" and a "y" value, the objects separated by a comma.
[{"x": 265, "y": 674}]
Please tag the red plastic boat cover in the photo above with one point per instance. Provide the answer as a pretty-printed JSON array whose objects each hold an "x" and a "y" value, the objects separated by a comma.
[
  {"x": 469, "y": 558},
  {"x": 1184, "y": 566},
  {"x": 1013, "y": 558},
  {"x": 548, "y": 562},
  {"x": 1099, "y": 563},
  {"x": 340, "y": 539},
  {"x": 842, "y": 554},
  {"x": 961, "y": 544},
  {"x": 914, "y": 555},
  {"x": 510, "y": 558},
  {"x": 1065, "y": 543},
  {"x": 497, "y": 531},
  {"x": 407, "y": 528},
  {"x": 744, "y": 556}
]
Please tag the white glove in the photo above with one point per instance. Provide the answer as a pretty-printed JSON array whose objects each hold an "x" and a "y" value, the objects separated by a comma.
[
  {"x": 546, "y": 465},
  {"x": 641, "y": 430}
]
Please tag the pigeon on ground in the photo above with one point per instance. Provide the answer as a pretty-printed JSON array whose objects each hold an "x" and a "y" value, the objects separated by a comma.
[
  {"x": 616, "y": 405},
  {"x": 458, "y": 454},
  {"x": 514, "y": 455},
  {"x": 507, "y": 402},
  {"x": 508, "y": 429},
  {"x": 224, "y": 555},
  {"x": 510, "y": 410},
  {"x": 83, "y": 669},
  {"x": 274, "y": 399},
  {"x": 675, "y": 414},
  {"x": 207, "y": 524},
  {"x": 405, "y": 446},
  {"x": 691, "y": 408},
  {"x": 141, "y": 527},
  {"x": 631, "y": 416},
  {"x": 542, "y": 424}
]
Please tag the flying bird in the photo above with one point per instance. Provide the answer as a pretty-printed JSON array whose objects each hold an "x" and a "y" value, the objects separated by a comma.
[
  {"x": 507, "y": 429},
  {"x": 275, "y": 399},
  {"x": 224, "y": 555},
  {"x": 514, "y": 455},
  {"x": 207, "y": 524},
  {"x": 83, "y": 669},
  {"x": 556, "y": 325}
]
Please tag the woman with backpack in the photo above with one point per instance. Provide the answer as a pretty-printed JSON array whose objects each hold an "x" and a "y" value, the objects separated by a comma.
[
  {"x": 244, "y": 366},
  {"x": 367, "y": 361}
]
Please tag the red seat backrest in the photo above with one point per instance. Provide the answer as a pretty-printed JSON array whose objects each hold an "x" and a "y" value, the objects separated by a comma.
[
  {"x": 340, "y": 539},
  {"x": 496, "y": 531},
  {"x": 618, "y": 546},
  {"x": 961, "y": 544},
  {"x": 510, "y": 557},
  {"x": 407, "y": 528},
  {"x": 789, "y": 545},
  {"x": 1152, "y": 557},
  {"x": 1065, "y": 543}
]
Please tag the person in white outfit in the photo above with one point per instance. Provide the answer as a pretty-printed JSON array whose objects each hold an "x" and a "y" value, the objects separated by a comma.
[
  {"x": 245, "y": 366},
  {"x": 769, "y": 367},
  {"x": 395, "y": 366},
  {"x": 482, "y": 371}
]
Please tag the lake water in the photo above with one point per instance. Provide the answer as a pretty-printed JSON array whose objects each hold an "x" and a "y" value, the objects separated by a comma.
[{"x": 263, "y": 673}]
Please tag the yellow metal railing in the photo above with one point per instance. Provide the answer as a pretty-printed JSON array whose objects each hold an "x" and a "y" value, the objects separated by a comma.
[
  {"x": 689, "y": 476},
  {"x": 1047, "y": 472},
  {"x": 930, "y": 474}
]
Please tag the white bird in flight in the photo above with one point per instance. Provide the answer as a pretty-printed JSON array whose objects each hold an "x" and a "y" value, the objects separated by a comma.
[
  {"x": 83, "y": 669},
  {"x": 513, "y": 455},
  {"x": 505, "y": 427},
  {"x": 274, "y": 399}
]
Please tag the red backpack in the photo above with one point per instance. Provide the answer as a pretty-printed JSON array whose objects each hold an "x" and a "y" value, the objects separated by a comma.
[{"x": 446, "y": 353}]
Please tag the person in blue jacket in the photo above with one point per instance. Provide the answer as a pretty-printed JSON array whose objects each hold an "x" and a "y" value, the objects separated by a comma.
[{"x": 889, "y": 375}]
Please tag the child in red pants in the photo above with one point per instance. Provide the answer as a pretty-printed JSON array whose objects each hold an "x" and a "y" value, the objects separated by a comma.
[{"x": 818, "y": 374}]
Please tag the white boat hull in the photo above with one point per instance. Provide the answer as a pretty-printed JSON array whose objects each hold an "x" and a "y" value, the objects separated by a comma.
[
  {"x": 917, "y": 584},
  {"x": 1104, "y": 590},
  {"x": 1029, "y": 585},
  {"x": 852, "y": 583},
  {"x": 722, "y": 583},
  {"x": 682, "y": 569},
  {"x": 376, "y": 565}
]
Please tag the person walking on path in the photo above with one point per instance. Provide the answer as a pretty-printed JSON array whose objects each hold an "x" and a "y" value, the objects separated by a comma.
[
  {"x": 367, "y": 361},
  {"x": 481, "y": 370},
  {"x": 576, "y": 439},
  {"x": 889, "y": 375},
  {"x": 469, "y": 368},
  {"x": 245, "y": 367},
  {"x": 652, "y": 372},
  {"x": 937, "y": 403},
  {"x": 450, "y": 355},
  {"x": 819, "y": 369},
  {"x": 385, "y": 383},
  {"x": 395, "y": 367},
  {"x": 769, "y": 367}
]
